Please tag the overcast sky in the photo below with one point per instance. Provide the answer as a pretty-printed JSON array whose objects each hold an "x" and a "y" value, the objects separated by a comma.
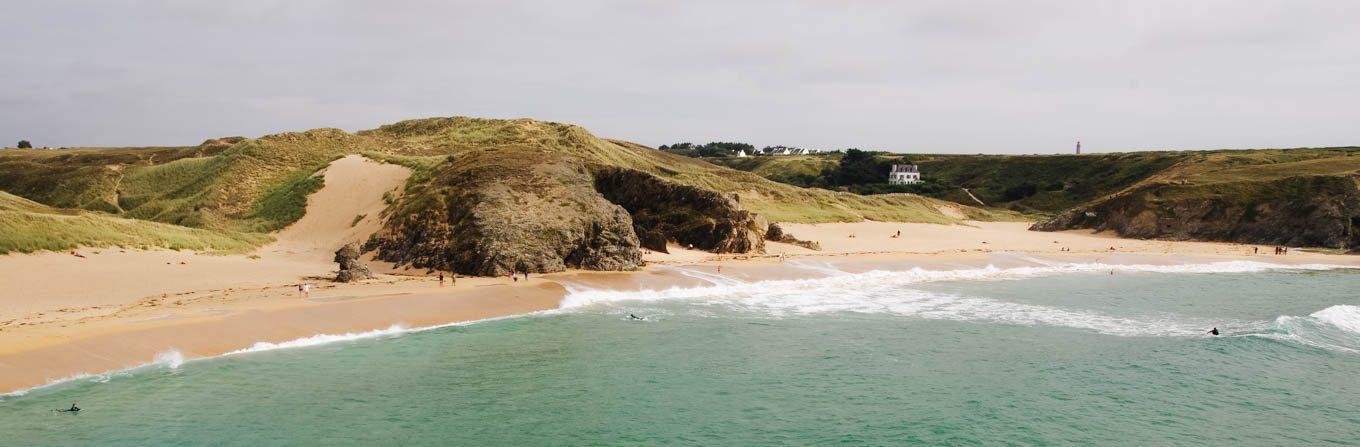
[{"x": 950, "y": 76}]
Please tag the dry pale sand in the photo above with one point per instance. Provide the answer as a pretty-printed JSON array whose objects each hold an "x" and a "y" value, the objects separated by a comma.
[
  {"x": 990, "y": 237},
  {"x": 61, "y": 315},
  {"x": 45, "y": 286},
  {"x": 346, "y": 210}
]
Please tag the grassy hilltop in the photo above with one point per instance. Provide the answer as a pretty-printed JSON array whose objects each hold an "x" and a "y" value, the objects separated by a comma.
[
  {"x": 485, "y": 196},
  {"x": 1279, "y": 196},
  {"x": 1032, "y": 184}
]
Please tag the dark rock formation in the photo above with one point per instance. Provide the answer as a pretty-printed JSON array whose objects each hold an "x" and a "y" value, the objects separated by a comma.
[
  {"x": 1317, "y": 211},
  {"x": 777, "y": 234},
  {"x": 664, "y": 211},
  {"x": 509, "y": 209},
  {"x": 350, "y": 267}
]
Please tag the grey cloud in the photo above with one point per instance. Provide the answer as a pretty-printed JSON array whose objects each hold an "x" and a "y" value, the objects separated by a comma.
[{"x": 990, "y": 76}]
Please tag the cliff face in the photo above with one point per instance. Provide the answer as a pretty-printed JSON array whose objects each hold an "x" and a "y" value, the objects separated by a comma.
[
  {"x": 494, "y": 212},
  {"x": 1297, "y": 211},
  {"x": 664, "y": 211}
]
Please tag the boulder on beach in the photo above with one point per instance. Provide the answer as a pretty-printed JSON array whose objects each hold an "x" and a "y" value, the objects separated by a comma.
[{"x": 350, "y": 267}]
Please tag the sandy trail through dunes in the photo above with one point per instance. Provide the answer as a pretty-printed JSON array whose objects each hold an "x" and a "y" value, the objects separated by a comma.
[
  {"x": 61, "y": 286},
  {"x": 347, "y": 209}
]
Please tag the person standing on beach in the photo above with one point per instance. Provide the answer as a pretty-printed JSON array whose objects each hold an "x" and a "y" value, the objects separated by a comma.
[{"x": 441, "y": 279}]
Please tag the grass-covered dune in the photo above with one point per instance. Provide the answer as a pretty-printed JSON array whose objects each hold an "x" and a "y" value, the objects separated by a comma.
[
  {"x": 486, "y": 196},
  {"x": 1303, "y": 196},
  {"x": 1298, "y": 197},
  {"x": 27, "y": 226},
  {"x": 1031, "y": 184}
]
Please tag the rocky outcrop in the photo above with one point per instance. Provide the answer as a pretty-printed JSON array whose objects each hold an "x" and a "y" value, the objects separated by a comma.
[
  {"x": 1314, "y": 211},
  {"x": 663, "y": 211},
  {"x": 777, "y": 234},
  {"x": 510, "y": 209},
  {"x": 350, "y": 267}
]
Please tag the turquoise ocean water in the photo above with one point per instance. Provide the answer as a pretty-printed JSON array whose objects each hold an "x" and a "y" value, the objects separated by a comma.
[{"x": 1028, "y": 356}]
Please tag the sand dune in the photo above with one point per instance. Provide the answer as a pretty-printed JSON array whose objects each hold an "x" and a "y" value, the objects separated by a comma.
[
  {"x": 58, "y": 286},
  {"x": 347, "y": 209}
]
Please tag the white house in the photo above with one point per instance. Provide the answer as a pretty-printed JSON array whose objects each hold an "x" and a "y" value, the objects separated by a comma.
[
  {"x": 789, "y": 150},
  {"x": 904, "y": 175},
  {"x": 741, "y": 152}
]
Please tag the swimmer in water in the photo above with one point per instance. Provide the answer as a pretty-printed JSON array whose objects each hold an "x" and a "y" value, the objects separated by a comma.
[
  {"x": 634, "y": 317},
  {"x": 1214, "y": 331}
]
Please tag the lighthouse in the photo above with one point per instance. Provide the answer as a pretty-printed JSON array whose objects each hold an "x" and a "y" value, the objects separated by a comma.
[{"x": 1078, "y": 147}]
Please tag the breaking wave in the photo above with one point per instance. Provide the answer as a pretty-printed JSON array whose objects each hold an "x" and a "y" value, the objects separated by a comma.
[
  {"x": 173, "y": 359},
  {"x": 889, "y": 292},
  {"x": 320, "y": 339},
  {"x": 722, "y": 286},
  {"x": 1335, "y": 328}
]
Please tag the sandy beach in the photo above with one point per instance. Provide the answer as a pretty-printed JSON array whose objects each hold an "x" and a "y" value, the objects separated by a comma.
[{"x": 63, "y": 315}]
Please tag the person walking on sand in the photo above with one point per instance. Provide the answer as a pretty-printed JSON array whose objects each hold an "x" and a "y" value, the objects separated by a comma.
[
  {"x": 526, "y": 275},
  {"x": 306, "y": 289},
  {"x": 441, "y": 279}
]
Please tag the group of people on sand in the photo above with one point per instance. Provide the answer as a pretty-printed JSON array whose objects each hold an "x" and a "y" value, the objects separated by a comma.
[{"x": 1278, "y": 250}]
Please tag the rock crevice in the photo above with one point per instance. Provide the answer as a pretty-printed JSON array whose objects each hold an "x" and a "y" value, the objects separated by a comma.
[{"x": 663, "y": 211}]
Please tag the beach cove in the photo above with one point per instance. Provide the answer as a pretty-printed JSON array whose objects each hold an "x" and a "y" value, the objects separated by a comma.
[{"x": 191, "y": 324}]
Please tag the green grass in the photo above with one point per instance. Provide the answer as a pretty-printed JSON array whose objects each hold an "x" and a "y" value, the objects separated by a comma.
[
  {"x": 286, "y": 202},
  {"x": 29, "y": 226},
  {"x": 249, "y": 186}
]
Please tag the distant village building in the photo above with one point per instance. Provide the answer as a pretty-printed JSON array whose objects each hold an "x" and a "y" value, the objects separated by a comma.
[
  {"x": 787, "y": 150},
  {"x": 904, "y": 175},
  {"x": 741, "y": 153}
]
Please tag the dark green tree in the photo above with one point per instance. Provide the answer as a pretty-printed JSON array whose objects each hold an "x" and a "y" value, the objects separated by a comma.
[
  {"x": 24, "y": 144},
  {"x": 860, "y": 167}
]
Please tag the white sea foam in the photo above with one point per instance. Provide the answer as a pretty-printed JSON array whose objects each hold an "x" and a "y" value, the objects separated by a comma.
[
  {"x": 724, "y": 286},
  {"x": 319, "y": 339},
  {"x": 1344, "y": 316},
  {"x": 856, "y": 292},
  {"x": 173, "y": 359},
  {"x": 170, "y": 359},
  {"x": 890, "y": 292},
  {"x": 1335, "y": 328}
]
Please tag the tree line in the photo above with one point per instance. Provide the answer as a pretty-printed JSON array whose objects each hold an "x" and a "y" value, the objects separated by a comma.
[
  {"x": 714, "y": 149},
  {"x": 865, "y": 172}
]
